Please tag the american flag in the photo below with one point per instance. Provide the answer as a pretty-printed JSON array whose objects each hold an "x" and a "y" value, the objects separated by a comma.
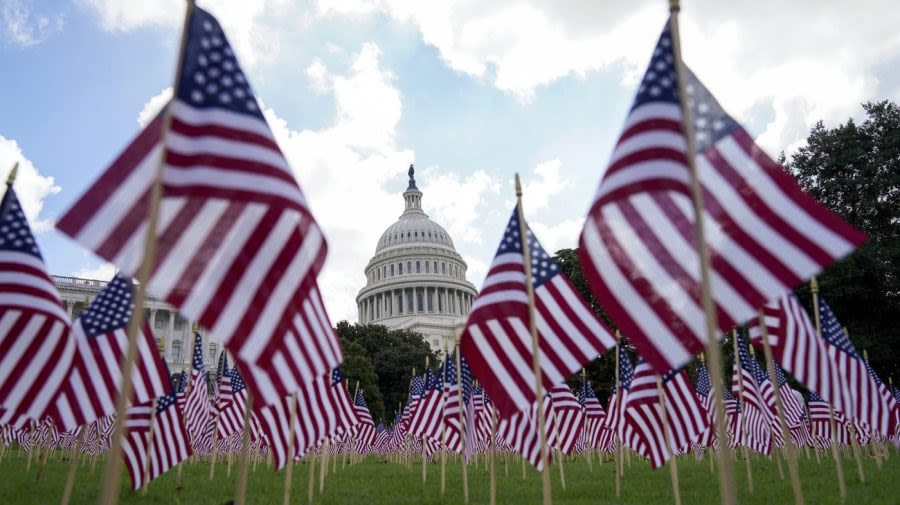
[
  {"x": 170, "y": 442},
  {"x": 797, "y": 347},
  {"x": 180, "y": 394},
  {"x": 790, "y": 399},
  {"x": 323, "y": 409},
  {"x": 638, "y": 243},
  {"x": 703, "y": 387},
  {"x": 625, "y": 431},
  {"x": 733, "y": 413},
  {"x": 36, "y": 348},
  {"x": 232, "y": 403},
  {"x": 820, "y": 423},
  {"x": 426, "y": 418},
  {"x": 364, "y": 432},
  {"x": 90, "y": 389},
  {"x": 865, "y": 403},
  {"x": 568, "y": 417},
  {"x": 520, "y": 433},
  {"x": 767, "y": 393},
  {"x": 197, "y": 408},
  {"x": 686, "y": 415},
  {"x": 593, "y": 412},
  {"x": 453, "y": 432},
  {"x": 497, "y": 340},
  {"x": 416, "y": 392},
  {"x": 754, "y": 412},
  {"x": 238, "y": 249}
]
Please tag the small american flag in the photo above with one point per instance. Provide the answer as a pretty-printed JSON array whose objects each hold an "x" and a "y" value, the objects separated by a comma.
[
  {"x": 36, "y": 348},
  {"x": 453, "y": 432},
  {"x": 797, "y": 347},
  {"x": 765, "y": 235},
  {"x": 198, "y": 408},
  {"x": 568, "y": 417},
  {"x": 91, "y": 388},
  {"x": 426, "y": 419},
  {"x": 865, "y": 403},
  {"x": 755, "y": 412},
  {"x": 238, "y": 249},
  {"x": 170, "y": 442},
  {"x": 416, "y": 392},
  {"x": 232, "y": 403},
  {"x": 364, "y": 432},
  {"x": 497, "y": 340},
  {"x": 520, "y": 433},
  {"x": 595, "y": 416}
]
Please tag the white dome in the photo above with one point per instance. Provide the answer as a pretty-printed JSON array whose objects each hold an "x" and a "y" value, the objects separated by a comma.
[
  {"x": 416, "y": 280},
  {"x": 414, "y": 228}
]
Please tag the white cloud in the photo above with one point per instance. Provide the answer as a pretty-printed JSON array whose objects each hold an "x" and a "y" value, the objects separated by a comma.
[
  {"x": 254, "y": 40},
  {"x": 153, "y": 106},
  {"x": 811, "y": 61},
  {"x": 458, "y": 202},
  {"x": 31, "y": 187},
  {"x": 561, "y": 235},
  {"x": 25, "y": 28},
  {"x": 544, "y": 186},
  {"x": 102, "y": 272}
]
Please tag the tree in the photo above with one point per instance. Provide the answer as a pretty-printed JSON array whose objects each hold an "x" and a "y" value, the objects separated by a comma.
[
  {"x": 393, "y": 354},
  {"x": 358, "y": 370},
  {"x": 854, "y": 169}
]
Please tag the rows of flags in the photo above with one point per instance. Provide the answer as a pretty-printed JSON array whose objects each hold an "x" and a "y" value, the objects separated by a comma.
[{"x": 237, "y": 250}]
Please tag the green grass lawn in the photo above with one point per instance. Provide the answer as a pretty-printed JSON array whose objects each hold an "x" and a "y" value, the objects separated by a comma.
[{"x": 374, "y": 482}]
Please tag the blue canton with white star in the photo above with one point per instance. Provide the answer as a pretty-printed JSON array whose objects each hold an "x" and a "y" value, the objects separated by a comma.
[
  {"x": 626, "y": 371},
  {"x": 237, "y": 381},
  {"x": 417, "y": 387},
  {"x": 704, "y": 386},
  {"x": 211, "y": 77},
  {"x": 15, "y": 234},
  {"x": 164, "y": 402},
  {"x": 111, "y": 310},
  {"x": 198, "y": 352},
  {"x": 833, "y": 333},
  {"x": 337, "y": 376},
  {"x": 182, "y": 382},
  {"x": 711, "y": 122},
  {"x": 660, "y": 82},
  {"x": 360, "y": 400},
  {"x": 543, "y": 268}
]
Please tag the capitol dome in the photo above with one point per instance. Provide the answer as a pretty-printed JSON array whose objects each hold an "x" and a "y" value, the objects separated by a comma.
[{"x": 416, "y": 280}]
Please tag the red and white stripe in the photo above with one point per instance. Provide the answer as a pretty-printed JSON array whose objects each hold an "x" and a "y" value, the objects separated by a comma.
[
  {"x": 238, "y": 250},
  {"x": 36, "y": 349},
  {"x": 90, "y": 389},
  {"x": 799, "y": 350},
  {"x": 520, "y": 433},
  {"x": 754, "y": 417},
  {"x": 322, "y": 410},
  {"x": 569, "y": 418},
  {"x": 170, "y": 443}
]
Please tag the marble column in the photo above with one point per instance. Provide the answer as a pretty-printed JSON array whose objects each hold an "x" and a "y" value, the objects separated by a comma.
[
  {"x": 70, "y": 306},
  {"x": 170, "y": 334}
]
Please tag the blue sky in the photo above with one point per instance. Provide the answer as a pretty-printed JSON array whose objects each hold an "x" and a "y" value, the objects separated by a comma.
[{"x": 472, "y": 92}]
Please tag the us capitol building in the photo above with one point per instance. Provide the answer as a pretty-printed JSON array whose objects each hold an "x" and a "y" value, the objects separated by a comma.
[{"x": 416, "y": 280}]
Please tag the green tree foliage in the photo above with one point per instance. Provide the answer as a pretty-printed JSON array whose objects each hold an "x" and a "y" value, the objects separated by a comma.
[
  {"x": 392, "y": 355},
  {"x": 854, "y": 169},
  {"x": 359, "y": 372}
]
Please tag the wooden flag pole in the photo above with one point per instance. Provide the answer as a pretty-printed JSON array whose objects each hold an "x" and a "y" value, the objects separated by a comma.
[
  {"x": 462, "y": 425},
  {"x": 589, "y": 451},
  {"x": 726, "y": 472},
  {"x": 673, "y": 462},
  {"x": 493, "y": 463},
  {"x": 743, "y": 413},
  {"x": 814, "y": 288},
  {"x": 535, "y": 348},
  {"x": 779, "y": 404},
  {"x": 424, "y": 442},
  {"x": 323, "y": 465},
  {"x": 289, "y": 470},
  {"x": 618, "y": 455},
  {"x": 241, "y": 492},
  {"x": 73, "y": 467},
  {"x": 212, "y": 465},
  {"x": 149, "y": 448},
  {"x": 312, "y": 474},
  {"x": 110, "y": 489}
]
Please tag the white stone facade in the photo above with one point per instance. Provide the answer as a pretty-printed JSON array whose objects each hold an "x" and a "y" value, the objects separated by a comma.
[
  {"x": 174, "y": 335},
  {"x": 416, "y": 280}
]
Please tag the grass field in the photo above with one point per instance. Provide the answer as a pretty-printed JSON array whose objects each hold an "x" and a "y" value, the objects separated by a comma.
[{"x": 374, "y": 482}]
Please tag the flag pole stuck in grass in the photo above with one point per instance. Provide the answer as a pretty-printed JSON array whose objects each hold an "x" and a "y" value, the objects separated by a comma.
[
  {"x": 110, "y": 489},
  {"x": 535, "y": 349}
]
